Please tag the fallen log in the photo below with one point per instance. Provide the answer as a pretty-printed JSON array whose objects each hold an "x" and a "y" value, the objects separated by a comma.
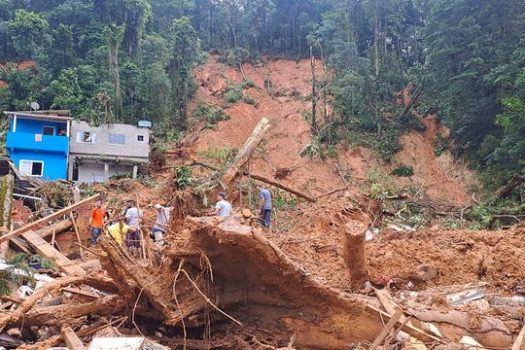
[
  {"x": 245, "y": 263},
  {"x": 66, "y": 313},
  {"x": 514, "y": 182},
  {"x": 48, "y": 218},
  {"x": 57, "y": 227},
  {"x": 246, "y": 151},
  {"x": 282, "y": 187},
  {"x": 98, "y": 282}
]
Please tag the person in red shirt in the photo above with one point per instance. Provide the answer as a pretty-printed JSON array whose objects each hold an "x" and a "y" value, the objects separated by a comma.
[{"x": 96, "y": 221}]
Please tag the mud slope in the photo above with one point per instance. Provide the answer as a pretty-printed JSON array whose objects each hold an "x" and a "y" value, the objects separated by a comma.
[{"x": 281, "y": 89}]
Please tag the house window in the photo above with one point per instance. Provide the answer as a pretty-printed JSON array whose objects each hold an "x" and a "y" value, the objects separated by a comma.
[
  {"x": 86, "y": 137},
  {"x": 140, "y": 138},
  {"x": 48, "y": 130},
  {"x": 32, "y": 167},
  {"x": 117, "y": 139}
]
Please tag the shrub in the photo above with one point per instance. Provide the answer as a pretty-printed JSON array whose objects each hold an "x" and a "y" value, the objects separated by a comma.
[
  {"x": 184, "y": 177},
  {"x": 440, "y": 144},
  {"x": 233, "y": 94},
  {"x": 403, "y": 170},
  {"x": 211, "y": 114},
  {"x": 249, "y": 100},
  {"x": 220, "y": 154},
  {"x": 247, "y": 83}
]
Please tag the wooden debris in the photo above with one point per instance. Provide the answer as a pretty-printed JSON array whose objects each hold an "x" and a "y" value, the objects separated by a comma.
[
  {"x": 45, "y": 249},
  {"x": 519, "y": 342},
  {"x": 386, "y": 330},
  {"x": 48, "y": 218},
  {"x": 77, "y": 233},
  {"x": 514, "y": 182},
  {"x": 72, "y": 341},
  {"x": 282, "y": 187}
]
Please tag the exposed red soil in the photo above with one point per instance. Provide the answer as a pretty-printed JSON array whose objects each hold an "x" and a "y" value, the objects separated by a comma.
[{"x": 442, "y": 178}]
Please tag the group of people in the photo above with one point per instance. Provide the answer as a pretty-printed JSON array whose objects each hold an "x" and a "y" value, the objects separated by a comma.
[
  {"x": 126, "y": 229},
  {"x": 223, "y": 208}
]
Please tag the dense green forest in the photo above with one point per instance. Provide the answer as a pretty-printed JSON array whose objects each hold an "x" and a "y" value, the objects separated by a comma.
[{"x": 126, "y": 60}]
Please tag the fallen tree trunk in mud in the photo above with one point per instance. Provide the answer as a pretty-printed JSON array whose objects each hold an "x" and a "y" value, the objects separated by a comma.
[
  {"x": 236, "y": 271},
  {"x": 67, "y": 313},
  {"x": 14, "y": 317},
  {"x": 282, "y": 187},
  {"x": 246, "y": 151},
  {"x": 57, "y": 228},
  {"x": 514, "y": 182}
]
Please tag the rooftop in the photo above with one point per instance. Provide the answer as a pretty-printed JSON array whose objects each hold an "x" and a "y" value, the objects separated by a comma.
[{"x": 42, "y": 115}]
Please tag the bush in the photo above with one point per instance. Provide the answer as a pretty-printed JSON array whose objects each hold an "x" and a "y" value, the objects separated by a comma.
[
  {"x": 440, "y": 144},
  {"x": 249, "y": 100},
  {"x": 222, "y": 154},
  {"x": 211, "y": 114},
  {"x": 184, "y": 177},
  {"x": 403, "y": 170},
  {"x": 233, "y": 94},
  {"x": 247, "y": 83}
]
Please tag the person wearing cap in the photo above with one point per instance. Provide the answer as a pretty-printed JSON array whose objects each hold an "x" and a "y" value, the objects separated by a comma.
[
  {"x": 163, "y": 219},
  {"x": 223, "y": 208}
]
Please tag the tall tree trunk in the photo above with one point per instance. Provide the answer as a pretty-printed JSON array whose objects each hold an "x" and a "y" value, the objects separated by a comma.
[
  {"x": 314, "y": 92},
  {"x": 114, "y": 39}
]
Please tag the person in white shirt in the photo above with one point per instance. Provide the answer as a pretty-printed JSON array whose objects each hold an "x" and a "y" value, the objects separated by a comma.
[
  {"x": 163, "y": 219},
  {"x": 133, "y": 217},
  {"x": 223, "y": 208}
]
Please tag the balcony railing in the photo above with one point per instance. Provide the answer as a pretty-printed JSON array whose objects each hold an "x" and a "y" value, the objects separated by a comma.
[{"x": 37, "y": 142}]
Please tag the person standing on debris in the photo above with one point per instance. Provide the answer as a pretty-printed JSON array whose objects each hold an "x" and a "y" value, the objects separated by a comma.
[
  {"x": 265, "y": 207},
  {"x": 96, "y": 221},
  {"x": 163, "y": 218},
  {"x": 223, "y": 208},
  {"x": 118, "y": 230},
  {"x": 133, "y": 217}
]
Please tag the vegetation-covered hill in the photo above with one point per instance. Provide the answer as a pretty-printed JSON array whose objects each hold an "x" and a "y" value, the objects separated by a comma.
[{"x": 125, "y": 60}]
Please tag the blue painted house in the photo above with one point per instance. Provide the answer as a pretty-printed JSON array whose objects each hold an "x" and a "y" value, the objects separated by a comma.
[{"x": 38, "y": 143}]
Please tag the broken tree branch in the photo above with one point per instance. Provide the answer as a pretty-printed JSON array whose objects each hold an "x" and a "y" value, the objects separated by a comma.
[{"x": 282, "y": 187}]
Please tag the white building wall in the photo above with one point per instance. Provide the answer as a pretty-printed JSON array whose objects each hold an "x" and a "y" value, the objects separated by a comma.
[{"x": 94, "y": 172}]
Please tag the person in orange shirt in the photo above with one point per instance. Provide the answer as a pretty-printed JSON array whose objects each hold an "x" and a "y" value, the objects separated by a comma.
[{"x": 96, "y": 221}]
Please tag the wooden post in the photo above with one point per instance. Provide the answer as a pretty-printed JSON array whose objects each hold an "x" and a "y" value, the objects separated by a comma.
[
  {"x": 354, "y": 254},
  {"x": 142, "y": 240},
  {"x": 77, "y": 233}
]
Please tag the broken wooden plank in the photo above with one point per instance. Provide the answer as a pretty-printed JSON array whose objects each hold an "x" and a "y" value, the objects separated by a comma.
[
  {"x": 386, "y": 330},
  {"x": 72, "y": 341},
  {"x": 282, "y": 187},
  {"x": 246, "y": 151},
  {"x": 77, "y": 233},
  {"x": 57, "y": 228},
  {"x": 45, "y": 249},
  {"x": 48, "y": 218},
  {"x": 80, "y": 292},
  {"x": 519, "y": 342}
]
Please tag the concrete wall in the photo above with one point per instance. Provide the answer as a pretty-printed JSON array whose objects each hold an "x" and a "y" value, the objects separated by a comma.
[
  {"x": 94, "y": 172},
  {"x": 101, "y": 146},
  {"x": 55, "y": 164}
]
